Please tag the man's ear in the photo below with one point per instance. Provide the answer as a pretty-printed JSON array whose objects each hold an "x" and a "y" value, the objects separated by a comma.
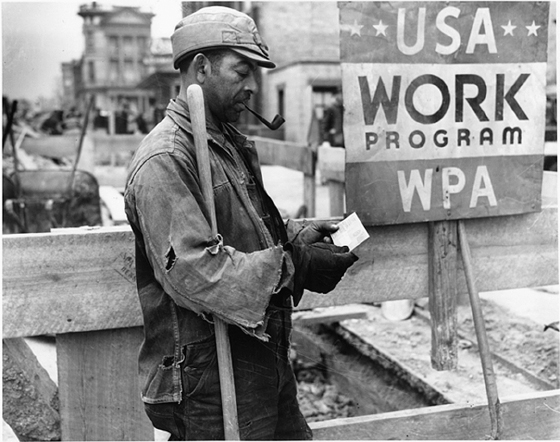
[{"x": 201, "y": 66}]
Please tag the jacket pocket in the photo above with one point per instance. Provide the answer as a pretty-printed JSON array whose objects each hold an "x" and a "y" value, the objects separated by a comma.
[
  {"x": 164, "y": 383},
  {"x": 200, "y": 368}
]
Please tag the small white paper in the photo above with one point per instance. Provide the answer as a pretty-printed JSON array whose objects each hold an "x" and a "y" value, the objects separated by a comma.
[{"x": 351, "y": 232}]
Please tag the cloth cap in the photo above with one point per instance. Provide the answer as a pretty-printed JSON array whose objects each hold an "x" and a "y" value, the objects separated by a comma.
[{"x": 219, "y": 27}]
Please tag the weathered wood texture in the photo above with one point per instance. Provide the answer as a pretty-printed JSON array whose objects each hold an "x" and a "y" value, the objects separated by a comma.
[
  {"x": 294, "y": 156},
  {"x": 100, "y": 394},
  {"x": 29, "y": 396},
  {"x": 70, "y": 282},
  {"x": 528, "y": 417},
  {"x": 508, "y": 252},
  {"x": 442, "y": 259}
]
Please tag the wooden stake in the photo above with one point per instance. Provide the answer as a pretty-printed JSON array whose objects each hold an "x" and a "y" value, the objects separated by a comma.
[
  {"x": 482, "y": 339},
  {"x": 195, "y": 100},
  {"x": 442, "y": 263}
]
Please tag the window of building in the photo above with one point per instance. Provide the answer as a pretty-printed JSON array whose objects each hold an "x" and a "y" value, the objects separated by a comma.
[
  {"x": 323, "y": 97},
  {"x": 142, "y": 46},
  {"x": 90, "y": 42},
  {"x": 128, "y": 47},
  {"x": 91, "y": 71},
  {"x": 113, "y": 44},
  {"x": 113, "y": 71}
]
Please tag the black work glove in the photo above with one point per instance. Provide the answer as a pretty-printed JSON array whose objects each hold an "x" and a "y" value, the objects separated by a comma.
[
  {"x": 315, "y": 232},
  {"x": 318, "y": 266}
]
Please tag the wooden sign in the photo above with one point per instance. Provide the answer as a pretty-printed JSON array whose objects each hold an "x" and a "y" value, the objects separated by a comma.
[{"x": 444, "y": 108}]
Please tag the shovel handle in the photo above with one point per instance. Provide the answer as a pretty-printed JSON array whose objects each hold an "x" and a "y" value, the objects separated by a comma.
[{"x": 195, "y": 100}]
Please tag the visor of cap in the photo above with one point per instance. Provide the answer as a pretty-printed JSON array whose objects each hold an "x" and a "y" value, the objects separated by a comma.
[{"x": 216, "y": 27}]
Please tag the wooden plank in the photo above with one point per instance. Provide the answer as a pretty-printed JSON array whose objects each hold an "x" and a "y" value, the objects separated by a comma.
[
  {"x": 309, "y": 192},
  {"x": 508, "y": 252},
  {"x": 442, "y": 293},
  {"x": 59, "y": 283},
  {"x": 29, "y": 395},
  {"x": 336, "y": 198},
  {"x": 329, "y": 315},
  {"x": 99, "y": 387},
  {"x": 286, "y": 154},
  {"x": 331, "y": 163},
  {"x": 533, "y": 416}
]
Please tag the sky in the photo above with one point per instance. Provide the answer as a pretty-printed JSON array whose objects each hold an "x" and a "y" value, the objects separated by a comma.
[{"x": 38, "y": 36}]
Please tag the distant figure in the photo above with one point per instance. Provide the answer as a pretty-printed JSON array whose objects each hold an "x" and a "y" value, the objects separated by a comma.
[
  {"x": 332, "y": 123},
  {"x": 53, "y": 124},
  {"x": 141, "y": 124},
  {"x": 100, "y": 121},
  {"x": 121, "y": 120}
]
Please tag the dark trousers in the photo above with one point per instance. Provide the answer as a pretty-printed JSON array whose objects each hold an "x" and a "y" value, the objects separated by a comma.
[{"x": 265, "y": 385}]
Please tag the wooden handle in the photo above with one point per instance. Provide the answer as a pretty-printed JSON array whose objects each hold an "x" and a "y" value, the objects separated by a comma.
[{"x": 195, "y": 100}]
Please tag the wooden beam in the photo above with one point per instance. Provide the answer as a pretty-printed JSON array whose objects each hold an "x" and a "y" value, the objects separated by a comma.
[
  {"x": 330, "y": 315},
  {"x": 508, "y": 252},
  {"x": 99, "y": 388},
  {"x": 533, "y": 416},
  {"x": 64, "y": 282},
  {"x": 442, "y": 283},
  {"x": 294, "y": 156}
]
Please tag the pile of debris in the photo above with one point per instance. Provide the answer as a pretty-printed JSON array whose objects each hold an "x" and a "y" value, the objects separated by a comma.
[{"x": 319, "y": 400}]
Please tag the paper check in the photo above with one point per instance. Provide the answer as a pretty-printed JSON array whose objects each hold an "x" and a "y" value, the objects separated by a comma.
[{"x": 351, "y": 232}]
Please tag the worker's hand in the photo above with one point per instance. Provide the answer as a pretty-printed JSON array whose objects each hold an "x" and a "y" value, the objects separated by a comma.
[
  {"x": 317, "y": 231},
  {"x": 318, "y": 266}
]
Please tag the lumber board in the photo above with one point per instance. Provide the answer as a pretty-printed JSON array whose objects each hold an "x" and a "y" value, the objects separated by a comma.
[
  {"x": 64, "y": 282},
  {"x": 442, "y": 288},
  {"x": 336, "y": 198},
  {"x": 287, "y": 154},
  {"x": 508, "y": 252},
  {"x": 99, "y": 387},
  {"x": 84, "y": 280},
  {"x": 533, "y": 416},
  {"x": 329, "y": 315}
]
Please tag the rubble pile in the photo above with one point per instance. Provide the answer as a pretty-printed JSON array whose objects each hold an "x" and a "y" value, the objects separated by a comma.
[{"x": 319, "y": 400}]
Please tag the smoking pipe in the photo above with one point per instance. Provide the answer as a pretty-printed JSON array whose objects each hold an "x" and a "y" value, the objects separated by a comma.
[{"x": 277, "y": 121}]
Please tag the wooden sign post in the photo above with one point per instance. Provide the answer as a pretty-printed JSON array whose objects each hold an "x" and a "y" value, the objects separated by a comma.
[{"x": 444, "y": 120}]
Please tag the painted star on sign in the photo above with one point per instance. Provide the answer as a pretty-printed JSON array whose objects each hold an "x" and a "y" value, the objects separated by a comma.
[
  {"x": 532, "y": 29},
  {"x": 380, "y": 28},
  {"x": 354, "y": 29},
  {"x": 508, "y": 29}
]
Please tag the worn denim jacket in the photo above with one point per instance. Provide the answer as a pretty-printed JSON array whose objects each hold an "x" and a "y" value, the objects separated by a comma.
[{"x": 184, "y": 275}]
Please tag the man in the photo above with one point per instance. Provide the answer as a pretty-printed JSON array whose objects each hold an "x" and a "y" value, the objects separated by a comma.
[
  {"x": 250, "y": 275},
  {"x": 332, "y": 122}
]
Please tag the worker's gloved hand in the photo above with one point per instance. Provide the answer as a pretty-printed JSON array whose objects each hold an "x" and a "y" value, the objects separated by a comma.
[
  {"x": 317, "y": 231},
  {"x": 318, "y": 266}
]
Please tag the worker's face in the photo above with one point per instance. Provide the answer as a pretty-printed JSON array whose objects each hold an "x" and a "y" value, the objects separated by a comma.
[{"x": 230, "y": 83}]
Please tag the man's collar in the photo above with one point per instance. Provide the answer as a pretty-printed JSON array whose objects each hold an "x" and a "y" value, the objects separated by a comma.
[{"x": 179, "y": 107}]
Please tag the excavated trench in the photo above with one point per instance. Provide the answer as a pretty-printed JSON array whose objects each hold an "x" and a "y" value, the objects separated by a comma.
[
  {"x": 336, "y": 380},
  {"x": 369, "y": 366}
]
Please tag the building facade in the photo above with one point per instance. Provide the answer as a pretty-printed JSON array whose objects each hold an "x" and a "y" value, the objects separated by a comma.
[{"x": 117, "y": 44}]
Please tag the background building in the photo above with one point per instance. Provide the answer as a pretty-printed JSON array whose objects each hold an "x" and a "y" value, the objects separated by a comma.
[{"x": 117, "y": 44}]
